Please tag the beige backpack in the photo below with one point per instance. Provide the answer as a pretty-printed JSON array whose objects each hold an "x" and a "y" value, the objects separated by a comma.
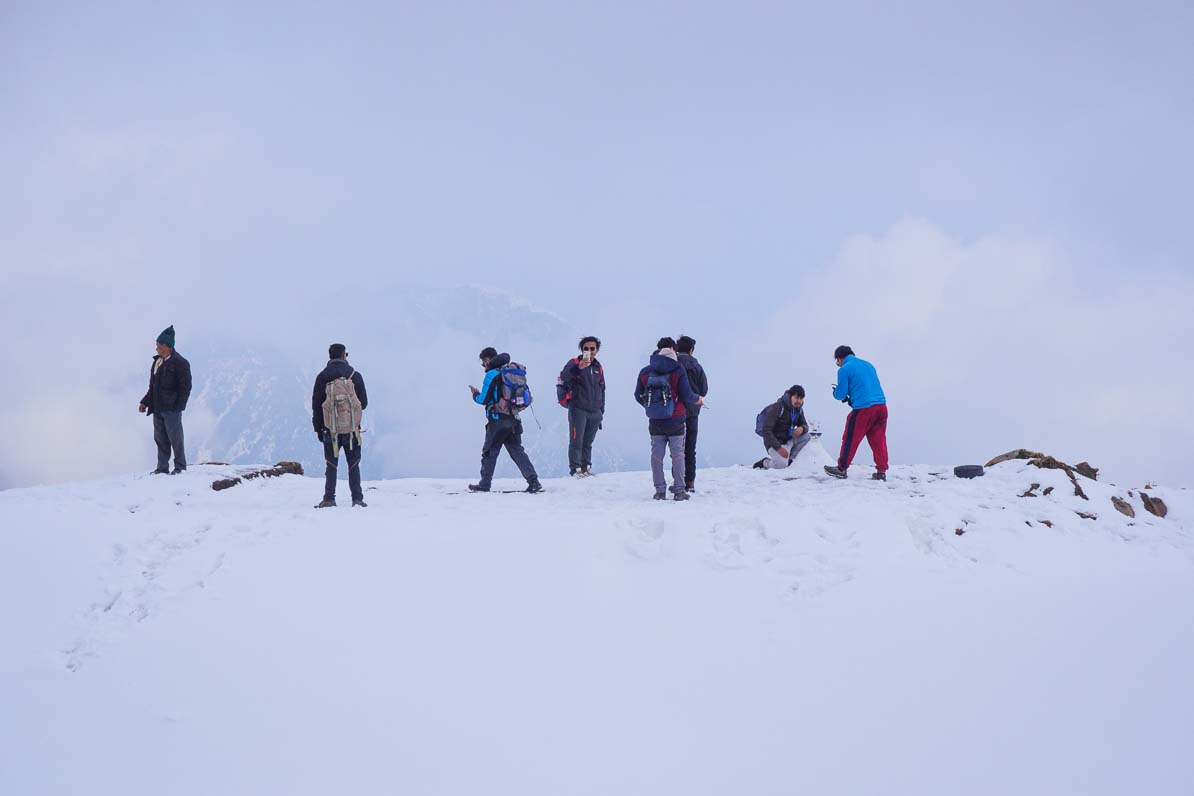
[{"x": 342, "y": 412}]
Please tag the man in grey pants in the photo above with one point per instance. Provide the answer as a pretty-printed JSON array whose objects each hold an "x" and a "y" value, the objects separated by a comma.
[
  {"x": 663, "y": 390},
  {"x": 581, "y": 388},
  {"x": 165, "y": 400}
]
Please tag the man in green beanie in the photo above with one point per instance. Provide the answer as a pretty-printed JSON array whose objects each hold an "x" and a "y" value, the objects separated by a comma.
[{"x": 169, "y": 389}]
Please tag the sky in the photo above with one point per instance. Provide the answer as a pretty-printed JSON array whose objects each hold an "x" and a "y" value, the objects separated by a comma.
[{"x": 990, "y": 203}]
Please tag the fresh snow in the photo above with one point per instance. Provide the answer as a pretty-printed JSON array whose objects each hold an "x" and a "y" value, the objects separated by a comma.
[{"x": 770, "y": 636}]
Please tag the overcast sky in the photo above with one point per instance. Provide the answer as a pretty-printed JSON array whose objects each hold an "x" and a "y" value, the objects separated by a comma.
[{"x": 990, "y": 201}]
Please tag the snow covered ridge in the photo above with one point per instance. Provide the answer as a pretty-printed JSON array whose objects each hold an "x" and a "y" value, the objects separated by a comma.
[{"x": 781, "y": 631}]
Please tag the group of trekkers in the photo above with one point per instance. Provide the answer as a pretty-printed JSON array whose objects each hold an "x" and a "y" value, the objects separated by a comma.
[{"x": 671, "y": 388}]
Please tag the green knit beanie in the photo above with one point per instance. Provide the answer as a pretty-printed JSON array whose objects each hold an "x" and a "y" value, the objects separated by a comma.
[{"x": 167, "y": 336}]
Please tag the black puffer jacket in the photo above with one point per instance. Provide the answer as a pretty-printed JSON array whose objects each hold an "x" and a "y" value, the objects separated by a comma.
[
  {"x": 585, "y": 385},
  {"x": 336, "y": 369},
  {"x": 169, "y": 388},
  {"x": 696, "y": 379},
  {"x": 778, "y": 422}
]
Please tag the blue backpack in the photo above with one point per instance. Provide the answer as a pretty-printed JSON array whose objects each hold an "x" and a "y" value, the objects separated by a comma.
[
  {"x": 657, "y": 397},
  {"x": 761, "y": 420},
  {"x": 513, "y": 393}
]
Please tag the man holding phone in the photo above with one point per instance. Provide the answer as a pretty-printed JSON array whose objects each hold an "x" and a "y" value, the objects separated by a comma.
[{"x": 581, "y": 388}]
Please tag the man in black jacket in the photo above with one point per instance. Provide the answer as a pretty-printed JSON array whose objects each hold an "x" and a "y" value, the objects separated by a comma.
[
  {"x": 785, "y": 430},
  {"x": 165, "y": 400},
  {"x": 685, "y": 346},
  {"x": 581, "y": 388},
  {"x": 338, "y": 368}
]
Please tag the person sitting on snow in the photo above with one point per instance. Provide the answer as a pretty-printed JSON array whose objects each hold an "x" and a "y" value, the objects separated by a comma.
[{"x": 784, "y": 430}]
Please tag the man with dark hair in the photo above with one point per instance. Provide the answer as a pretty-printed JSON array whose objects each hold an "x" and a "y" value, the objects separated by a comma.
[
  {"x": 784, "y": 430},
  {"x": 858, "y": 385},
  {"x": 166, "y": 400},
  {"x": 581, "y": 388},
  {"x": 685, "y": 348},
  {"x": 663, "y": 390},
  {"x": 337, "y": 401},
  {"x": 502, "y": 426}
]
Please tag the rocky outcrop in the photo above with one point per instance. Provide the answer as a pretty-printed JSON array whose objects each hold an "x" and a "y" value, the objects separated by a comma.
[
  {"x": 1123, "y": 506},
  {"x": 281, "y": 468},
  {"x": 1154, "y": 505},
  {"x": 1047, "y": 462}
]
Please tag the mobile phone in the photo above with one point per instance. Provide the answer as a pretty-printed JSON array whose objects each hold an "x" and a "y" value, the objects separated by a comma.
[{"x": 588, "y": 355}]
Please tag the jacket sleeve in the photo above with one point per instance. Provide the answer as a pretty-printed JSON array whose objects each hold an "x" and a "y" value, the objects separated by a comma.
[
  {"x": 640, "y": 387},
  {"x": 685, "y": 389},
  {"x": 483, "y": 396},
  {"x": 184, "y": 385},
  {"x": 842, "y": 391},
  {"x": 358, "y": 382},
  {"x": 702, "y": 382},
  {"x": 317, "y": 396},
  {"x": 769, "y": 420},
  {"x": 602, "y": 389},
  {"x": 147, "y": 400}
]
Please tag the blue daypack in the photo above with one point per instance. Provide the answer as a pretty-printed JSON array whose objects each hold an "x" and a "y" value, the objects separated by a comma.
[
  {"x": 658, "y": 399},
  {"x": 514, "y": 394},
  {"x": 761, "y": 420}
]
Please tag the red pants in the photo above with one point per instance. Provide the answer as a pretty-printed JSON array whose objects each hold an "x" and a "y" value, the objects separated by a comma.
[{"x": 872, "y": 424}]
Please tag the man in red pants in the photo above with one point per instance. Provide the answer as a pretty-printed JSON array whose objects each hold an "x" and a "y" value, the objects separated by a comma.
[{"x": 858, "y": 385}]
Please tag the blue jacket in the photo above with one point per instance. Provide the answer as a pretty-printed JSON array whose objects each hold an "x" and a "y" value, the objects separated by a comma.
[
  {"x": 858, "y": 384},
  {"x": 678, "y": 379},
  {"x": 488, "y": 395}
]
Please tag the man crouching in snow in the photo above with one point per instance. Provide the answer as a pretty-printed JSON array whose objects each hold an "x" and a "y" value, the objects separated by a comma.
[{"x": 784, "y": 430}]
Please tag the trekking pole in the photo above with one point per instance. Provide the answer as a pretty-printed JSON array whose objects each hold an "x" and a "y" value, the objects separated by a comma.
[{"x": 540, "y": 425}]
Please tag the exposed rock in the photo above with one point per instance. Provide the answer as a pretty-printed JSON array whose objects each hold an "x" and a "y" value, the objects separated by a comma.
[
  {"x": 1087, "y": 516},
  {"x": 1046, "y": 462},
  {"x": 1154, "y": 506},
  {"x": 1048, "y": 491},
  {"x": 1123, "y": 506},
  {"x": 1031, "y": 492},
  {"x": 281, "y": 468},
  {"x": 1047, "y": 523}
]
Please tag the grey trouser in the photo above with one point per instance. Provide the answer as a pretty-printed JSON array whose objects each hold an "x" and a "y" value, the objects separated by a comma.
[
  {"x": 505, "y": 433},
  {"x": 792, "y": 446},
  {"x": 582, "y": 430},
  {"x": 167, "y": 433},
  {"x": 675, "y": 445}
]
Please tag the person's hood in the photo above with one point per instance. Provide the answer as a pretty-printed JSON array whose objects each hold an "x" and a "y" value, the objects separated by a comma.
[
  {"x": 680, "y": 357},
  {"x": 340, "y": 366},
  {"x": 663, "y": 364},
  {"x": 500, "y": 361}
]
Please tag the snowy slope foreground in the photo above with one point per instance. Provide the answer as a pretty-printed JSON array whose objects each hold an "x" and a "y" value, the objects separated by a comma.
[{"x": 771, "y": 636}]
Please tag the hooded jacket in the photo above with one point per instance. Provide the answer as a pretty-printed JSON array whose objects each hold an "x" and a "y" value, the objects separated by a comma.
[
  {"x": 336, "y": 369},
  {"x": 780, "y": 420},
  {"x": 678, "y": 380},
  {"x": 488, "y": 395},
  {"x": 585, "y": 385},
  {"x": 696, "y": 379},
  {"x": 858, "y": 384}
]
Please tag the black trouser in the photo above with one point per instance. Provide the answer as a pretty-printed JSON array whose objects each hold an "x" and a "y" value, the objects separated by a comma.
[
  {"x": 690, "y": 437},
  {"x": 352, "y": 456},
  {"x": 506, "y": 432},
  {"x": 582, "y": 430},
  {"x": 167, "y": 433}
]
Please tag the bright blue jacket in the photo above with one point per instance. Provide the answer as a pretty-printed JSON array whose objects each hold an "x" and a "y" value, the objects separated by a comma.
[
  {"x": 858, "y": 383},
  {"x": 488, "y": 395}
]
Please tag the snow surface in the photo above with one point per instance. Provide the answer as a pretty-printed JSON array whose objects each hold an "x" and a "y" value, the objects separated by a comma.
[{"x": 770, "y": 636}]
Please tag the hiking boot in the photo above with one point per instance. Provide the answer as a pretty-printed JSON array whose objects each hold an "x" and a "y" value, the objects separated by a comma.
[
  {"x": 325, "y": 504},
  {"x": 879, "y": 476},
  {"x": 160, "y": 472},
  {"x": 761, "y": 464},
  {"x": 359, "y": 502},
  {"x": 661, "y": 495},
  {"x": 534, "y": 487},
  {"x": 178, "y": 470},
  {"x": 477, "y": 488},
  {"x": 680, "y": 496},
  {"x": 690, "y": 489},
  {"x": 836, "y": 472}
]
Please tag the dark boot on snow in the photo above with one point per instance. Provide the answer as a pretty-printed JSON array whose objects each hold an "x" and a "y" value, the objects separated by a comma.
[
  {"x": 359, "y": 502},
  {"x": 836, "y": 472},
  {"x": 760, "y": 464},
  {"x": 681, "y": 495},
  {"x": 325, "y": 504},
  {"x": 879, "y": 476},
  {"x": 534, "y": 487},
  {"x": 477, "y": 488},
  {"x": 661, "y": 495}
]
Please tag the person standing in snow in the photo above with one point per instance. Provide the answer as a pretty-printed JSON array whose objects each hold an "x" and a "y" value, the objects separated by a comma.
[
  {"x": 166, "y": 400},
  {"x": 858, "y": 385},
  {"x": 339, "y": 398},
  {"x": 581, "y": 388},
  {"x": 784, "y": 430},
  {"x": 502, "y": 429},
  {"x": 663, "y": 390},
  {"x": 685, "y": 348}
]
